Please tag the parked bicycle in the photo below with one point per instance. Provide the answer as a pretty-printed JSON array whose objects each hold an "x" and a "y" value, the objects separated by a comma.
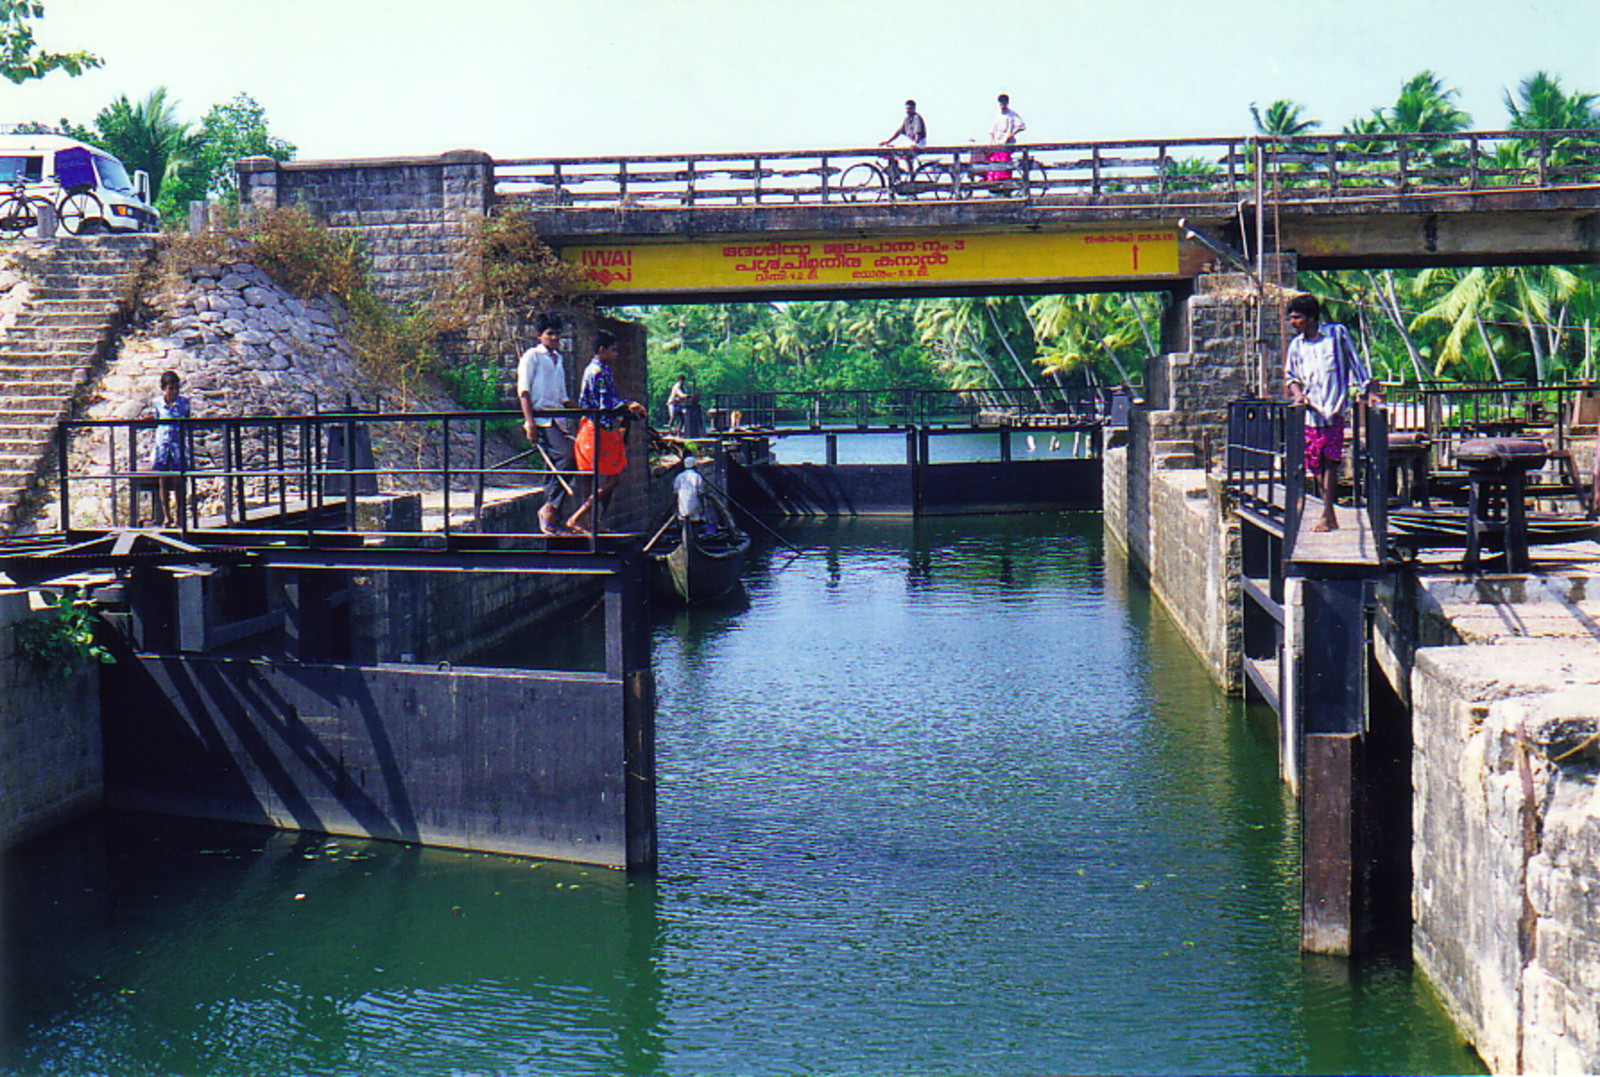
[
  {"x": 899, "y": 175},
  {"x": 903, "y": 175},
  {"x": 78, "y": 210}
]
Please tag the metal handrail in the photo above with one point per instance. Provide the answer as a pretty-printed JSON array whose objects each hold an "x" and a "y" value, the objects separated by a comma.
[
  {"x": 1089, "y": 405},
  {"x": 1171, "y": 172},
  {"x": 248, "y": 468},
  {"x": 1265, "y": 466}
]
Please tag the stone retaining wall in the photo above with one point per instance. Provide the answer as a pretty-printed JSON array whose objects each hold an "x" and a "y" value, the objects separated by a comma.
[
  {"x": 1506, "y": 854},
  {"x": 417, "y": 216},
  {"x": 50, "y": 755},
  {"x": 243, "y": 346},
  {"x": 1171, "y": 518}
]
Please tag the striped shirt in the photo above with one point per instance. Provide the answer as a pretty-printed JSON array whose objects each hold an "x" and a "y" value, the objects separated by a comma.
[{"x": 1326, "y": 367}]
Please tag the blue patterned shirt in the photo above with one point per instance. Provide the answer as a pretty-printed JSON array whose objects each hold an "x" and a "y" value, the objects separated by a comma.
[{"x": 599, "y": 390}]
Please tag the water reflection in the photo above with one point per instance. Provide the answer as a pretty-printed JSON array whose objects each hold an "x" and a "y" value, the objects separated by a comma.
[
  {"x": 944, "y": 797},
  {"x": 149, "y": 945}
]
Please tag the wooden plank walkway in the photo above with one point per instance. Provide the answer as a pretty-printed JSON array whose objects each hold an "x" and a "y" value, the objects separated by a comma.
[{"x": 1351, "y": 544}]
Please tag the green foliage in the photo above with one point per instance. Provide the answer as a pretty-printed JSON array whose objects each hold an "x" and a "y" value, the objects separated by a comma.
[
  {"x": 230, "y": 131},
  {"x": 1540, "y": 104},
  {"x": 185, "y": 163},
  {"x": 290, "y": 245},
  {"x": 951, "y": 343},
  {"x": 21, "y": 58},
  {"x": 61, "y": 637},
  {"x": 147, "y": 135},
  {"x": 1283, "y": 118},
  {"x": 306, "y": 258},
  {"x": 476, "y": 387}
]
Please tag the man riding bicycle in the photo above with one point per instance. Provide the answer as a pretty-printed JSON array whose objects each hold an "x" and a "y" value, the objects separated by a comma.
[{"x": 914, "y": 131}]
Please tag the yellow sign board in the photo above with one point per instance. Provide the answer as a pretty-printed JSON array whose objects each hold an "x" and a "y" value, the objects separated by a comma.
[{"x": 757, "y": 265}]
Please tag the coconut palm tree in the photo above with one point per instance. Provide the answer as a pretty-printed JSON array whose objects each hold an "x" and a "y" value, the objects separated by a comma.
[
  {"x": 1283, "y": 118},
  {"x": 1540, "y": 104},
  {"x": 147, "y": 135},
  {"x": 1425, "y": 105},
  {"x": 1484, "y": 302}
]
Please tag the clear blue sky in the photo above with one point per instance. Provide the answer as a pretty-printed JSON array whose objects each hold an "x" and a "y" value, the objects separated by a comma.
[{"x": 354, "y": 78}]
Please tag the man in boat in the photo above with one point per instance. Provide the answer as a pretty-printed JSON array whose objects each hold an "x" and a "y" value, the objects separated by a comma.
[
  {"x": 1321, "y": 366},
  {"x": 601, "y": 445},
  {"x": 689, "y": 488},
  {"x": 542, "y": 385},
  {"x": 695, "y": 502}
]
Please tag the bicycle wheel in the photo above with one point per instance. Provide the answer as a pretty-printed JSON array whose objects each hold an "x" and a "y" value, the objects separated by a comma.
[
  {"x": 16, "y": 216},
  {"x": 863, "y": 182},
  {"x": 1035, "y": 180},
  {"x": 934, "y": 179},
  {"x": 80, "y": 213}
]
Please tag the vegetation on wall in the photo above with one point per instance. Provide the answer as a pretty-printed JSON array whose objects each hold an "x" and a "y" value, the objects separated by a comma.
[
  {"x": 397, "y": 345},
  {"x": 61, "y": 637}
]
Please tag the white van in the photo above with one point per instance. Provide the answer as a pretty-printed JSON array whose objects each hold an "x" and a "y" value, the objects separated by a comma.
[{"x": 89, "y": 188}]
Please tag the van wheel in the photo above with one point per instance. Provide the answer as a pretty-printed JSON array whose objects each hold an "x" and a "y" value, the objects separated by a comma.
[{"x": 80, "y": 213}]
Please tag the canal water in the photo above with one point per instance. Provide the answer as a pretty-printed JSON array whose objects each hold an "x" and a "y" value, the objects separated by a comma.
[
  {"x": 941, "y": 797},
  {"x": 954, "y": 447}
]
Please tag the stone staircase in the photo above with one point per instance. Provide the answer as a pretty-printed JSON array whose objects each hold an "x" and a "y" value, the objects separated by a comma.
[{"x": 79, "y": 290}]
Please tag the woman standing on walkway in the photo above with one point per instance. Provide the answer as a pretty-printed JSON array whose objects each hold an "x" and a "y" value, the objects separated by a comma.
[{"x": 169, "y": 456}]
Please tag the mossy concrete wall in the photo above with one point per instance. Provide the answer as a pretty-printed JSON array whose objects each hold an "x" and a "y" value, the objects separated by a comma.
[{"x": 50, "y": 753}]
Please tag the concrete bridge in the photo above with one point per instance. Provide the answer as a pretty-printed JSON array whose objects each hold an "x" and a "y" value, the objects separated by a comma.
[{"x": 1057, "y": 217}]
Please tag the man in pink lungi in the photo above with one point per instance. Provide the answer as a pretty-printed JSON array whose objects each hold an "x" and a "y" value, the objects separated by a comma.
[{"x": 1320, "y": 367}]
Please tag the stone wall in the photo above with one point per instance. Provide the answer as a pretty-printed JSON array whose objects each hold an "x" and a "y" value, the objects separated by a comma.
[
  {"x": 50, "y": 754},
  {"x": 1171, "y": 518},
  {"x": 1161, "y": 503},
  {"x": 417, "y": 216},
  {"x": 1215, "y": 343},
  {"x": 242, "y": 346},
  {"x": 1507, "y": 847}
]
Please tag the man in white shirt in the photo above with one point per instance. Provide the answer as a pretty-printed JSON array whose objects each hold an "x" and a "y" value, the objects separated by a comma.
[
  {"x": 1007, "y": 126},
  {"x": 1003, "y": 134},
  {"x": 1320, "y": 367},
  {"x": 542, "y": 385}
]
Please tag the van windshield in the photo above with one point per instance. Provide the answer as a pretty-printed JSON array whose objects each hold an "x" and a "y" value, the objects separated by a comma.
[
  {"x": 13, "y": 169},
  {"x": 112, "y": 175}
]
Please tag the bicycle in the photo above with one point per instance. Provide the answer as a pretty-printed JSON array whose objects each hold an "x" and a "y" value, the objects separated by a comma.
[
  {"x": 901, "y": 175},
  {"x": 78, "y": 211}
]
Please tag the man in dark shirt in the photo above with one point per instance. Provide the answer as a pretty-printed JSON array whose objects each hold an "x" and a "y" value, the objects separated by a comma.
[{"x": 914, "y": 131}]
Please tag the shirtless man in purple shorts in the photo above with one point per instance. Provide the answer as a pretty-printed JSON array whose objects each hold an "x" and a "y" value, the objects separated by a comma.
[{"x": 1320, "y": 367}]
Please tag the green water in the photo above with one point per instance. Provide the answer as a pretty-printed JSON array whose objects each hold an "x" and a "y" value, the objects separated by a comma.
[{"x": 942, "y": 798}]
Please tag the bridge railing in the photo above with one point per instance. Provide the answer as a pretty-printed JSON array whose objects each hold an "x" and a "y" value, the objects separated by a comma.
[
  {"x": 850, "y": 176},
  {"x": 1176, "y": 172},
  {"x": 863, "y": 408},
  {"x": 1355, "y": 165},
  {"x": 303, "y": 474}
]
